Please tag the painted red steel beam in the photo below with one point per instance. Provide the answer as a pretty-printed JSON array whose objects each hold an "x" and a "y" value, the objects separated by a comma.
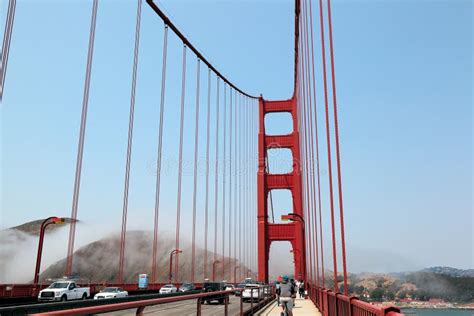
[
  {"x": 279, "y": 141},
  {"x": 178, "y": 33}
]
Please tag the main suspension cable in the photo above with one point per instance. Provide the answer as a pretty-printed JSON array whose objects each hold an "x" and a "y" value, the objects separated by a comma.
[{"x": 191, "y": 46}]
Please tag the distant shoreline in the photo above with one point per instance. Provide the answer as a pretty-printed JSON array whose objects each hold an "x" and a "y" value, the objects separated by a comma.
[{"x": 437, "y": 308}]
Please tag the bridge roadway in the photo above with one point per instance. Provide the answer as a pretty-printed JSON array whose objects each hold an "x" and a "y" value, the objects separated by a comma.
[{"x": 188, "y": 307}]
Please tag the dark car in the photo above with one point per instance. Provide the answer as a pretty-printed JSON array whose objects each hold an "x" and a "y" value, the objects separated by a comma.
[
  {"x": 240, "y": 286},
  {"x": 186, "y": 287},
  {"x": 213, "y": 287}
]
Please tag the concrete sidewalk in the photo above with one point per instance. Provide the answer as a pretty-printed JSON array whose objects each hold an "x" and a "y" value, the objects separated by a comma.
[{"x": 303, "y": 307}]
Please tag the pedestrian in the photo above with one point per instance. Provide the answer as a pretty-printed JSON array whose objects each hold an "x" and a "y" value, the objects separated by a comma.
[
  {"x": 301, "y": 289},
  {"x": 293, "y": 283},
  {"x": 277, "y": 286},
  {"x": 286, "y": 292}
]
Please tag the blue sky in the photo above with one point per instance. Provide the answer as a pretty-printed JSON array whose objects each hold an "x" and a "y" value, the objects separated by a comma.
[{"x": 404, "y": 75}]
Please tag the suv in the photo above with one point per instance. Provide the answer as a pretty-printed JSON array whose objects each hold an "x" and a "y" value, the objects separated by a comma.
[
  {"x": 213, "y": 287},
  {"x": 239, "y": 286}
]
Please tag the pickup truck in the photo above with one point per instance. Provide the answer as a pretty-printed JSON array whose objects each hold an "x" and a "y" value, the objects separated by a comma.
[{"x": 64, "y": 291}]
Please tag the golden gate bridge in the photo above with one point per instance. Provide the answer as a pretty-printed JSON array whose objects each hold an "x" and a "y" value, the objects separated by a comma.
[{"x": 244, "y": 198}]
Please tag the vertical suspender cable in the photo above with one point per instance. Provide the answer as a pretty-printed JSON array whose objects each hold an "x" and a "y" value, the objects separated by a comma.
[
  {"x": 338, "y": 156},
  {"x": 158, "y": 160},
  {"x": 328, "y": 142},
  {"x": 129, "y": 145},
  {"x": 244, "y": 183},
  {"x": 247, "y": 182},
  {"x": 7, "y": 37},
  {"x": 230, "y": 187},
  {"x": 206, "y": 202},
  {"x": 80, "y": 146},
  {"x": 305, "y": 122},
  {"x": 180, "y": 162},
  {"x": 236, "y": 179},
  {"x": 249, "y": 212},
  {"x": 306, "y": 105},
  {"x": 239, "y": 175},
  {"x": 224, "y": 165},
  {"x": 309, "y": 135},
  {"x": 216, "y": 184},
  {"x": 318, "y": 184},
  {"x": 301, "y": 117},
  {"x": 254, "y": 175},
  {"x": 310, "y": 61},
  {"x": 252, "y": 217},
  {"x": 196, "y": 151}
]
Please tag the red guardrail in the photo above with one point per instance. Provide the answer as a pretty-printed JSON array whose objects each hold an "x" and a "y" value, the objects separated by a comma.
[
  {"x": 333, "y": 304},
  {"x": 268, "y": 295}
]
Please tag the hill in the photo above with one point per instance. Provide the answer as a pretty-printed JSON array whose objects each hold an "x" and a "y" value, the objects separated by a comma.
[
  {"x": 33, "y": 227},
  {"x": 98, "y": 261},
  {"x": 450, "y": 271},
  {"x": 449, "y": 284}
]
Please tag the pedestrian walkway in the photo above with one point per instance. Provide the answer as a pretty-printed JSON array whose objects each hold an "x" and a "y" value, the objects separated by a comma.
[{"x": 303, "y": 307}]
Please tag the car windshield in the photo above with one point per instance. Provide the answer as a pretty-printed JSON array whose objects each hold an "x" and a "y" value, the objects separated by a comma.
[
  {"x": 168, "y": 285},
  {"x": 186, "y": 285},
  {"x": 59, "y": 285},
  {"x": 241, "y": 286},
  {"x": 110, "y": 290}
]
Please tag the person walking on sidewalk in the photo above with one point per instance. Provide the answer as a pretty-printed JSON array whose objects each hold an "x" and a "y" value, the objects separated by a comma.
[
  {"x": 286, "y": 292},
  {"x": 301, "y": 289}
]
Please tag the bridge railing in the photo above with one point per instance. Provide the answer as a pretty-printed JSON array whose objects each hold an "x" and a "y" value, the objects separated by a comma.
[
  {"x": 264, "y": 296},
  {"x": 333, "y": 304}
]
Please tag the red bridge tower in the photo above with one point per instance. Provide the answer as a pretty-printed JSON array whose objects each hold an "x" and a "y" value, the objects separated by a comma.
[{"x": 292, "y": 231}]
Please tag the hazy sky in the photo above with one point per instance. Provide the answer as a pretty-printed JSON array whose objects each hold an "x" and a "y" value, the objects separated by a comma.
[{"x": 404, "y": 76}]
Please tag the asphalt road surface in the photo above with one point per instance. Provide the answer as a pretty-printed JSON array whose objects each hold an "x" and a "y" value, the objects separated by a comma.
[{"x": 188, "y": 307}]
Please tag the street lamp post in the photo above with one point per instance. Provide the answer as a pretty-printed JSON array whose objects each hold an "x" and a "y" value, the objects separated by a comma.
[
  {"x": 292, "y": 216},
  {"x": 44, "y": 224},
  {"x": 175, "y": 251},
  {"x": 295, "y": 218},
  {"x": 235, "y": 273},
  {"x": 214, "y": 269}
]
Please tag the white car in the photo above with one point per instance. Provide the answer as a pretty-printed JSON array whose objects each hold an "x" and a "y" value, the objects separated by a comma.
[
  {"x": 111, "y": 292},
  {"x": 229, "y": 287},
  {"x": 252, "y": 292},
  {"x": 168, "y": 288},
  {"x": 64, "y": 291}
]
